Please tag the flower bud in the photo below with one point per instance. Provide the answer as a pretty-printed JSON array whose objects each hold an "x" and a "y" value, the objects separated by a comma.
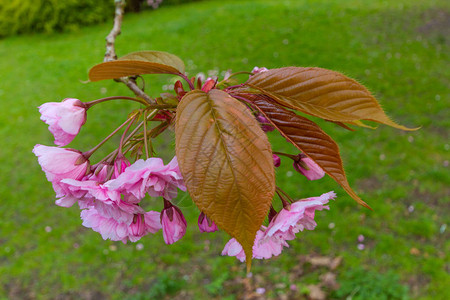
[
  {"x": 205, "y": 224},
  {"x": 173, "y": 223},
  {"x": 265, "y": 124},
  {"x": 308, "y": 167},
  {"x": 137, "y": 227},
  {"x": 120, "y": 164},
  {"x": 276, "y": 160}
]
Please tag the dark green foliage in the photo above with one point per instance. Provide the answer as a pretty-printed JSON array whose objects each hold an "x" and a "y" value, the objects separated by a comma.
[
  {"x": 172, "y": 2},
  {"x": 166, "y": 284},
  {"x": 361, "y": 284},
  {"x": 25, "y": 16},
  {"x": 138, "y": 5}
]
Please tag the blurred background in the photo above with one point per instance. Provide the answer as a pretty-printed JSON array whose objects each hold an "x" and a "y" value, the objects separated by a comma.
[{"x": 398, "y": 49}]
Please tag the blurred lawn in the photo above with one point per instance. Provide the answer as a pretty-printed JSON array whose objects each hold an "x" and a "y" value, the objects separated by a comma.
[{"x": 399, "y": 49}]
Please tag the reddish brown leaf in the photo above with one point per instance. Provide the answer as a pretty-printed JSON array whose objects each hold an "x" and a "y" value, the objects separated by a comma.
[
  {"x": 309, "y": 138},
  {"x": 321, "y": 93},
  {"x": 137, "y": 63},
  {"x": 226, "y": 162}
]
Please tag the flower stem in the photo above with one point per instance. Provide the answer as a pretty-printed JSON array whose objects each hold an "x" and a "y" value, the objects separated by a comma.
[
  {"x": 272, "y": 213},
  {"x": 283, "y": 201},
  {"x": 87, "y": 154},
  {"x": 94, "y": 102},
  {"x": 145, "y": 135},
  {"x": 107, "y": 157},
  {"x": 248, "y": 102},
  {"x": 233, "y": 86},
  {"x": 191, "y": 85},
  {"x": 119, "y": 152},
  {"x": 143, "y": 102},
  {"x": 149, "y": 116},
  {"x": 293, "y": 157},
  {"x": 285, "y": 194}
]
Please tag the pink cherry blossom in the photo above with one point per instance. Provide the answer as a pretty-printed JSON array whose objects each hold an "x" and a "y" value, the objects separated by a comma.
[
  {"x": 233, "y": 248},
  {"x": 173, "y": 223},
  {"x": 297, "y": 217},
  {"x": 108, "y": 203},
  {"x": 283, "y": 227},
  {"x": 64, "y": 119},
  {"x": 116, "y": 230},
  {"x": 144, "y": 224},
  {"x": 149, "y": 176},
  {"x": 59, "y": 163},
  {"x": 205, "y": 224},
  {"x": 92, "y": 189},
  {"x": 109, "y": 228},
  {"x": 308, "y": 167},
  {"x": 263, "y": 248},
  {"x": 152, "y": 221}
]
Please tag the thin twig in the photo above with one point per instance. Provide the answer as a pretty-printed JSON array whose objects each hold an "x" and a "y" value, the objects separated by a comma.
[
  {"x": 111, "y": 55},
  {"x": 87, "y": 154},
  {"x": 131, "y": 84},
  {"x": 145, "y": 135}
]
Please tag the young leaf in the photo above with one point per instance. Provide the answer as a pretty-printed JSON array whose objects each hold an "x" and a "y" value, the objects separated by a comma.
[
  {"x": 137, "y": 63},
  {"x": 309, "y": 138},
  {"x": 226, "y": 162},
  {"x": 321, "y": 93}
]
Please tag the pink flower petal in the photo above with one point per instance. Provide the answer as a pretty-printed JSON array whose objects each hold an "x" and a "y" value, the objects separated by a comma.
[{"x": 64, "y": 119}]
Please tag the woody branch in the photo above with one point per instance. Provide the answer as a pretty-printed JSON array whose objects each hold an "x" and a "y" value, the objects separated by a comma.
[{"x": 111, "y": 55}]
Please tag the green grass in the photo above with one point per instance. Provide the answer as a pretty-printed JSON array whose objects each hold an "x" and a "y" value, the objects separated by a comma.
[{"x": 399, "y": 49}]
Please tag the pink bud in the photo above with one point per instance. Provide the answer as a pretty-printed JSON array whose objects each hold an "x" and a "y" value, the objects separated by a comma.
[
  {"x": 276, "y": 160},
  {"x": 120, "y": 164},
  {"x": 99, "y": 174},
  {"x": 308, "y": 167},
  {"x": 173, "y": 223},
  {"x": 266, "y": 126},
  {"x": 205, "y": 224},
  {"x": 262, "y": 119},
  {"x": 64, "y": 119},
  {"x": 360, "y": 238}
]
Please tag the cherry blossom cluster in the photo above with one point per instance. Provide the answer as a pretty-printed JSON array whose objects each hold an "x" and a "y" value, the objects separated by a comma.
[
  {"x": 110, "y": 193},
  {"x": 292, "y": 219}
]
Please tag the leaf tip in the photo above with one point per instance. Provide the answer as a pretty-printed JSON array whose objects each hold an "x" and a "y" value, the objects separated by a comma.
[
  {"x": 365, "y": 205},
  {"x": 248, "y": 261},
  {"x": 411, "y": 129}
]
